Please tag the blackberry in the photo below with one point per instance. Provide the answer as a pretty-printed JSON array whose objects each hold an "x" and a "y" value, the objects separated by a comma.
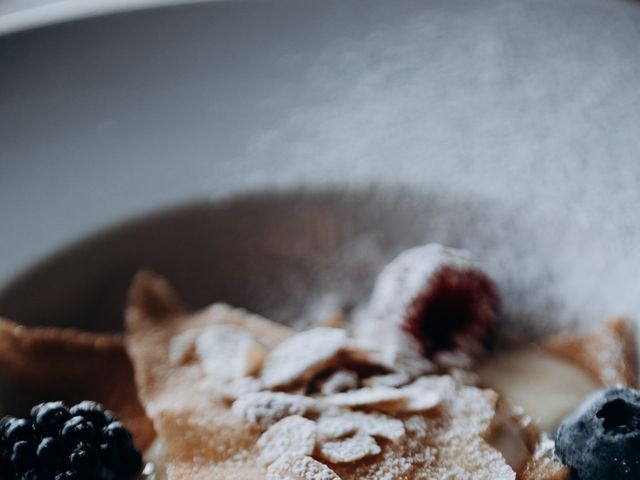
[
  {"x": 60, "y": 443},
  {"x": 78, "y": 429},
  {"x": 49, "y": 418}
]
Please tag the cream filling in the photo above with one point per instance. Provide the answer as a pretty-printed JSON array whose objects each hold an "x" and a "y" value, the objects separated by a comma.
[{"x": 547, "y": 388}]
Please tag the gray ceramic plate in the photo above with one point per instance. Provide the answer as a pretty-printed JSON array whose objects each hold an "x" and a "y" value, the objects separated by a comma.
[{"x": 506, "y": 126}]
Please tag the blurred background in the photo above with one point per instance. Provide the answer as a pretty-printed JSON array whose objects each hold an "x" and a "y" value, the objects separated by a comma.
[{"x": 110, "y": 111}]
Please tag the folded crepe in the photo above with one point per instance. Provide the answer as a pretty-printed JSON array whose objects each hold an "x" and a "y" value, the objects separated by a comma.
[{"x": 51, "y": 364}]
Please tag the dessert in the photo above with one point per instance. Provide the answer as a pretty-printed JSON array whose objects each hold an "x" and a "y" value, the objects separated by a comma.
[
  {"x": 43, "y": 364},
  {"x": 418, "y": 387}
]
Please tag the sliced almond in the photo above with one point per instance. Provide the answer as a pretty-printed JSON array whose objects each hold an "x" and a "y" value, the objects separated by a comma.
[
  {"x": 227, "y": 352},
  {"x": 264, "y": 409},
  {"x": 293, "y": 435},
  {"x": 368, "y": 397},
  {"x": 350, "y": 449},
  {"x": 237, "y": 387},
  {"x": 396, "y": 379},
  {"x": 425, "y": 393},
  {"x": 182, "y": 346},
  {"x": 331, "y": 427},
  {"x": 302, "y": 356},
  {"x": 299, "y": 467},
  {"x": 341, "y": 423},
  {"x": 340, "y": 381}
]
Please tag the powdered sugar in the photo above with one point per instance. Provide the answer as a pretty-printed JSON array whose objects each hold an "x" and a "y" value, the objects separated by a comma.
[
  {"x": 302, "y": 355},
  {"x": 339, "y": 381},
  {"x": 367, "y": 397},
  {"x": 227, "y": 352},
  {"x": 264, "y": 409},
  {"x": 350, "y": 449},
  {"x": 296, "y": 467},
  {"x": 369, "y": 423},
  {"x": 292, "y": 435}
]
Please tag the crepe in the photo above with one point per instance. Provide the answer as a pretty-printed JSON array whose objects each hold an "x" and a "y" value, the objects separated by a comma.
[
  {"x": 206, "y": 439},
  {"x": 47, "y": 364}
]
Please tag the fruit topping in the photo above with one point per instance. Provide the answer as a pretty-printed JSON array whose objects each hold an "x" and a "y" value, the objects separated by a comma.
[
  {"x": 601, "y": 439},
  {"x": 440, "y": 296},
  {"x": 57, "y": 443}
]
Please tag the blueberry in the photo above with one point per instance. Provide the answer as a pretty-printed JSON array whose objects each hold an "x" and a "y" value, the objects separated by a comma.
[
  {"x": 77, "y": 429},
  {"x": 23, "y": 456},
  {"x": 601, "y": 439},
  {"x": 50, "y": 417},
  {"x": 51, "y": 453},
  {"x": 18, "y": 429}
]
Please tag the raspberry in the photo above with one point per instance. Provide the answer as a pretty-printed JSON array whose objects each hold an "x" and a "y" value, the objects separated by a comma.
[
  {"x": 56, "y": 443},
  {"x": 441, "y": 297}
]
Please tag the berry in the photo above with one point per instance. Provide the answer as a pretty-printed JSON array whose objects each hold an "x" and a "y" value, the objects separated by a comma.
[
  {"x": 93, "y": 412},
  {"x": 77, "y": 429},
  {"x": 51, "y": 453},
  {"x": 115, "y": 434},
  {"x": 441, "y": 297},
  {"x": 50, "y": 417},
  {"x": 601, "y": 438},
  {"x": 68, "y": 475},
  {"x": 30, "y": 475},
  {"x": 22, "y": 456},
  {"x": 18, "y": 429},
  {"x": 84, "y": 460},
  {"x": 56, "y": 443}
]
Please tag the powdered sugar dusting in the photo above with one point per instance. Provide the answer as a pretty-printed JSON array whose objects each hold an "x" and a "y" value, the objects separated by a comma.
[
  {"x": 227, "y": 352},
  {"x": 302, "y": 355},
  {"x": 340, "y": 381},
  {"x": 292, "y": 435},
  {"x": 349, "y": 449},
  {"x": 367, "y": 397},
  {"x": 263, "y": 409},
  {"x": 299, "y": 468},
  {"x": 370, "y": 423}
]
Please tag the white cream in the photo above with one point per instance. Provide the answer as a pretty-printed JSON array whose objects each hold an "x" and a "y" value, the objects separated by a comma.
[{"x": 546, "y": 387}]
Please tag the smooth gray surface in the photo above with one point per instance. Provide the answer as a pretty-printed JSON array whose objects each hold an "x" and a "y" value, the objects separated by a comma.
[{"x": 529, "y": 105}]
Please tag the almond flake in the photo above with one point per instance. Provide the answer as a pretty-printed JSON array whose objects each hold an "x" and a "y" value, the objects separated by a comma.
[
  {"x": 339, "y": 381},
  {"x": 182, "y": 346},
  {"x": 333, "y": 427},
  {"x": 389, "y": 380},
  {"x": 264, "y": 409},
  {"x": 374, "y": 424},
  {"x": 350, "y": 449},
  {"x": 302, "y": 356},
  {"x": 299, "y": 467},
  {"x": 368, "y": 397},
  {"x": 237, "y": 387},
  {"x": 423, "y": 394},
  {"x": 228, "y": 352},
  {"x": 292, "y": 435}
]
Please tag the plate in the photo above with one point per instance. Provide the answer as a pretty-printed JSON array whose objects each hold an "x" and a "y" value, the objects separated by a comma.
[
  {"x": 511, "y": 125},
  {"x": 289, "y": 255}
]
